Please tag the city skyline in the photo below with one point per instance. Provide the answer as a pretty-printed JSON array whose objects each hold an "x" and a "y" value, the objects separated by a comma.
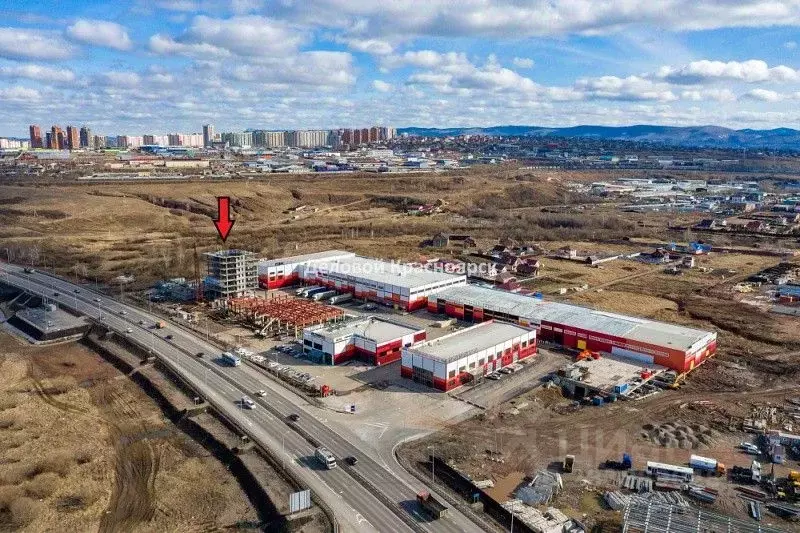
[
  {"x": 75, "y": 138},
  {"x": 169, "y": 65}
]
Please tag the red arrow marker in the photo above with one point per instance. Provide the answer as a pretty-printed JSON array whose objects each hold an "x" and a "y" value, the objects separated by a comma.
[{"x": 224, "y": 223}]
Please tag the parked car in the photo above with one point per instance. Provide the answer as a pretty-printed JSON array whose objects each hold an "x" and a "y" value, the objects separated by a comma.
[
  {"x": 56, "y": 294},
  {"x": 506, "y": 370},
  {"x": 29, "y": 270},
  {"x": 261, "y": 393},
  {"x": 493, "y": 375},
  {"x": 97, "y": 300},
  {"x": 351, "y": 460},
  {"x": 76, "y": 291},
  {"x": 294, "y": 417},
  {"x": 141, "y": 322},
  {"x": 168, "y": 337},
  {"x": 200, "y": 354},
  {"x": 129, "y": 330},
  {"x": 123, "y": 312}
]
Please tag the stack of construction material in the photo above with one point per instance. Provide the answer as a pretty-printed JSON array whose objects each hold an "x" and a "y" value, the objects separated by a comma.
[
  {"x": 541, "y": 489},
  {"x": 637, "y": 483},
  {"x": 616, "y": 500}
]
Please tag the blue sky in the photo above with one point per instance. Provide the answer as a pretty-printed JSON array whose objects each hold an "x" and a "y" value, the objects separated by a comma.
[{"x": 158, "y": 66}]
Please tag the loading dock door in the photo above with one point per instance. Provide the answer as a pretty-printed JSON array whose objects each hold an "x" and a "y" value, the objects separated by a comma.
[
  {"x": 581, "y": 344},
  {"x": 420, "y": 375}
]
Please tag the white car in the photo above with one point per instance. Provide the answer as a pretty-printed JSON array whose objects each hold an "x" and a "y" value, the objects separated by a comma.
[
  {"x": 129, "y": 330},
  {"x": 97, "y": 300},
  {"x": 493, "y": 375},
  {"x": 261, "y": 393},
  {"x": 247, "y": 403}
]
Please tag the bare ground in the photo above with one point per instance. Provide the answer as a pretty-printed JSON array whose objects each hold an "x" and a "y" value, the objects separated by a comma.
[{"x": 83, "y": 448}]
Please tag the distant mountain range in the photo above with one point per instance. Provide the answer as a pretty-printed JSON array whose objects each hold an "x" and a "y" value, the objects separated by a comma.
[{"x": 696, "y": 136}]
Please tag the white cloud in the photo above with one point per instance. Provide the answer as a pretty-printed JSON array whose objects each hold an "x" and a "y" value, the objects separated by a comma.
[
  {"x": 37, "y": 72},
  {"x": 424, "y": 59},
  {"x": 751, "y": 71},
  {"x": 718, "y": 95},
  {"x": 370, "y": 46},
  {"x": 248, "y": 36},
  {"x": 381, "y": 86},
  {"x": 178, "y": 5},
  {"x": 33, "y": 44},
  {"x": 502, "y": 18},
  {"x": 319, "y": 69},
  {"x": 632, "y": 88},
  {"x": 765, "y": 95},
  {"x": 790, "y": 45},
  {"x": 18, "y": 94},
  {"x": 523, "y": 62},
  {"x": 100, "y": 33},
  {"x": 165, "y": 45},
  {"x": 122, "y": 79}
]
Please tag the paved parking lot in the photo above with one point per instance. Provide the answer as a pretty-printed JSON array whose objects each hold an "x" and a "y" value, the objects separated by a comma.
[{"x": 489, "y": 393}]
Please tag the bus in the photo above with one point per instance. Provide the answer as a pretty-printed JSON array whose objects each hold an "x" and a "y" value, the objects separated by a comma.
[
  {"x": 303, "y": 291},
  {"x": 678, "y": 472},
  {"x": 231, "y": 359},
  {"x": 325, "y": 457}
]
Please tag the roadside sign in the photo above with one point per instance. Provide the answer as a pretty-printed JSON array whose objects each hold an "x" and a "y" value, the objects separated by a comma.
[{"x": 299, "y": 501}]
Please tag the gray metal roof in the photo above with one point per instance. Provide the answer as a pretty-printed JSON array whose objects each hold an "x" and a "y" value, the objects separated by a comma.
[
  {"x": 468, "y": 341},
  {"x": 385, "y": 272},
  {"x": 369, "y": 328},
  {"x": 316, "y": 256},
  {"x": 536, "y": 310}
]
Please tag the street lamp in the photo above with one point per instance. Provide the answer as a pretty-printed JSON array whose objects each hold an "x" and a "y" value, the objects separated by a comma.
[{"x": 433, "y": 463}]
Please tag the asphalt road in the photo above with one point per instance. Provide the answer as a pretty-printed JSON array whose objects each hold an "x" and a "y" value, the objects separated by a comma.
[{"x": 366, "y": 497}]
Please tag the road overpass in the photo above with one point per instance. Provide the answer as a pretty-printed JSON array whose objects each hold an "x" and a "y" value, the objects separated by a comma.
[{"x": 366, "y": 497}]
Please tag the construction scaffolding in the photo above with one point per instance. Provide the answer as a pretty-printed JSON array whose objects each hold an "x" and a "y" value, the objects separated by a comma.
[{"x": 280, "y": 313}]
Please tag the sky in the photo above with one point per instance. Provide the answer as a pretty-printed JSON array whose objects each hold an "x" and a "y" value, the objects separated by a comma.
[{"x": 159, "y": 66}]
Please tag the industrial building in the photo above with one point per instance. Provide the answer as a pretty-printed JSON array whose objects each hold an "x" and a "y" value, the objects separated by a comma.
[
  {"x": 231, "y": 274},
  {"x": 461, "y": 357},
  {"x": 371, "y": 339},
  {"x": 402, "y": 286},
  {"x": 676, "y": 347},
  {"x": 277, "y": 273}
]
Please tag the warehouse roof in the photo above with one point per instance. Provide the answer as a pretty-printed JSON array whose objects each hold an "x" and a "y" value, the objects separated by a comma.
[
  {"x": 468, "y": 341},
  {"x": 372, "y": 328},
  {"x": 385, "y": 272},
  {"x": 536, "y": 310},
  {"x": 316, "y": 256}
]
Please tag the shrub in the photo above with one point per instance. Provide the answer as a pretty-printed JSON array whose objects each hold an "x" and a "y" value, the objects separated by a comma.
[
  {"x": 24, "y": 511},
  {"x": 7, "y": 495},
  {"x": 42, "y": 486}
]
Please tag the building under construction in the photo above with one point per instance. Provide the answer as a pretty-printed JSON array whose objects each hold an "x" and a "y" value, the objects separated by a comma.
[
  {"x": 280, "y": 313},
  {"x": 231, "y": 273}
]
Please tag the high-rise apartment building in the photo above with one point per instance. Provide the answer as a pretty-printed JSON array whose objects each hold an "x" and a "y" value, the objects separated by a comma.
[
  {"x": 36, "y": 136},
  {"x": 73, "y": 138},
  {"x": 208, "y": 135},
  {"x": 56, "y": 138},
  {"x": 98, "y": 142},
  {"x": 47, "y": 140},
  {"x": 86, "y": 137},
  {"x": 231, "y": 273}
]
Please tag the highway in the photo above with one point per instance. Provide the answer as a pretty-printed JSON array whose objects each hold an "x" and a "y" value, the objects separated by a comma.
[{"x": 365, "y": 497}]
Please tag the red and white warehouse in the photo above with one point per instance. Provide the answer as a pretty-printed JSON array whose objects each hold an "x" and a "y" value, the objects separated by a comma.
[
  {"x": 371, "y": 339},
  {"x": 676, "y": 347},
  {"x": 452, "y": 360},
  {"x": 277, "y": 273},
  {"x": 394, "y": 284}
]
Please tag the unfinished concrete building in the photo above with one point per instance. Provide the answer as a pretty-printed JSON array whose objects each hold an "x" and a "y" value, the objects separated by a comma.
[{"x": 231, "y": 274}]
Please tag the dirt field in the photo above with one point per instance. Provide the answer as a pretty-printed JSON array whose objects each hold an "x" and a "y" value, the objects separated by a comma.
[
  {"x": 82, "y": 448},
  {"x": 666, "y": 428}
]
